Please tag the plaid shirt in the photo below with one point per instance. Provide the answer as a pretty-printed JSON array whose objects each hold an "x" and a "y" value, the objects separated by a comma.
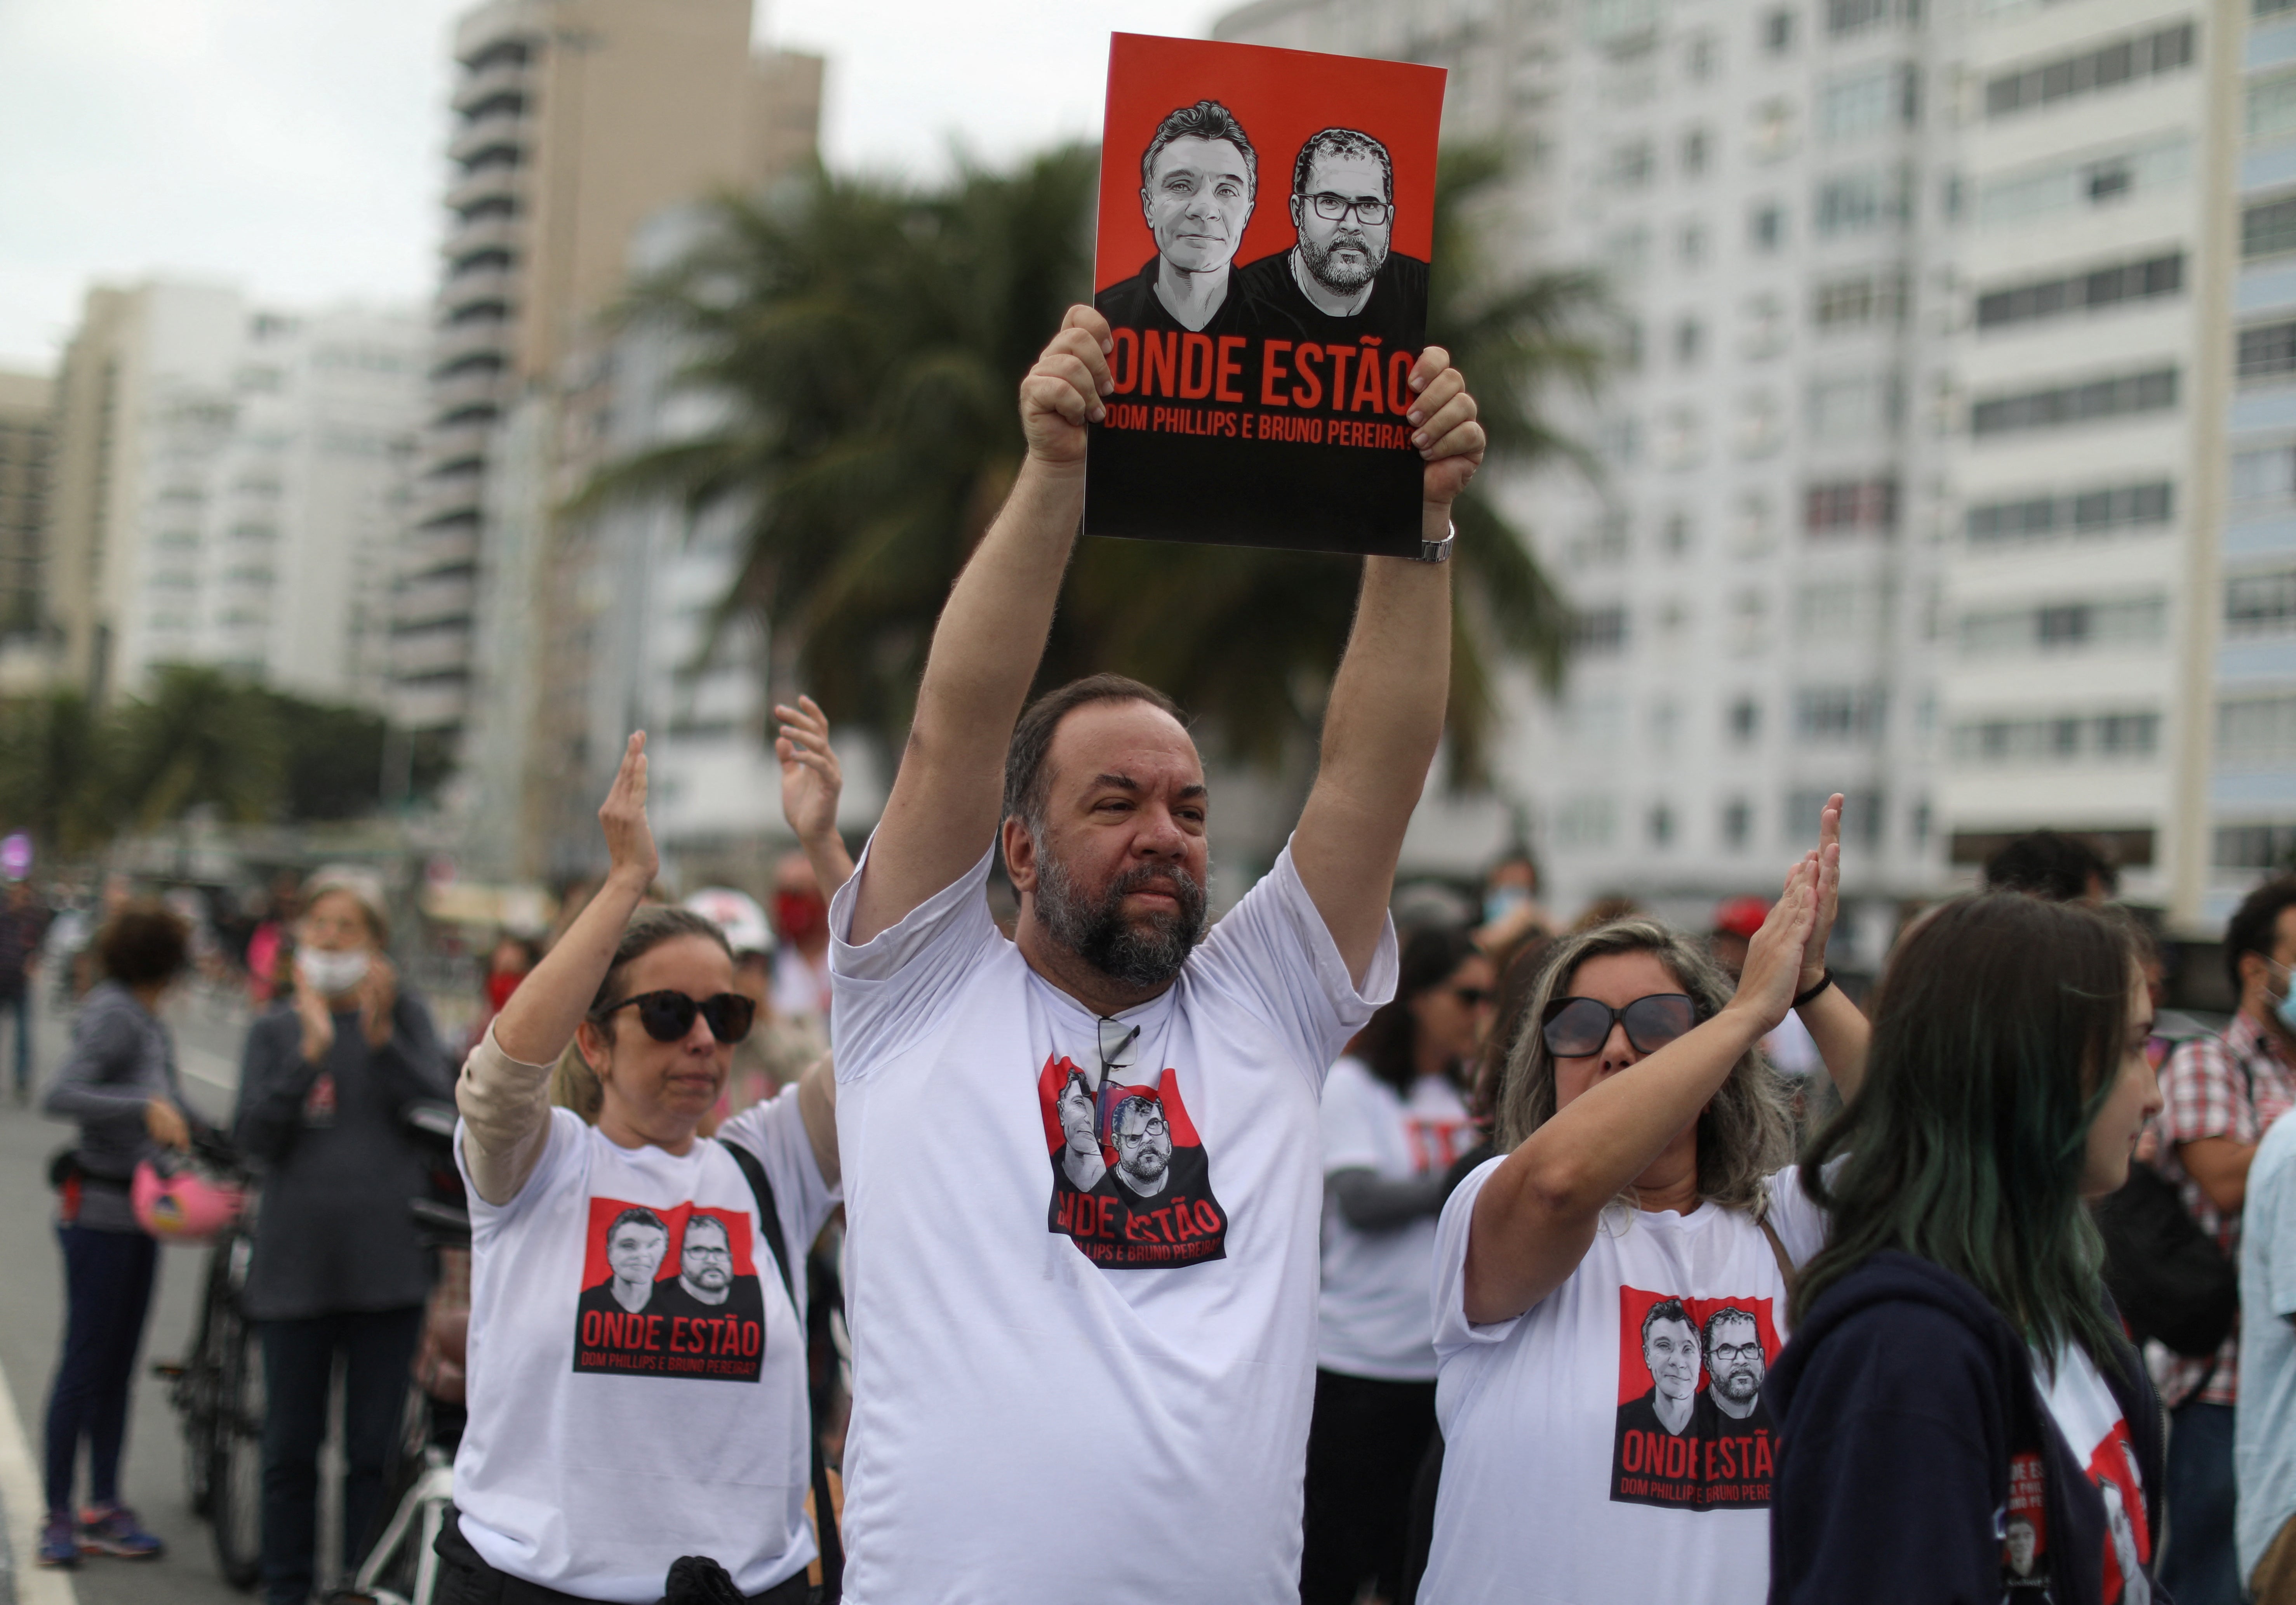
[{"x": 2204, "y": 1093}]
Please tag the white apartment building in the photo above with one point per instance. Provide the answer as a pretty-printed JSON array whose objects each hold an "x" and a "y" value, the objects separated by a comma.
[
  {"x": 228, "y": 484},
  {"x": 1920, "y": 466}
]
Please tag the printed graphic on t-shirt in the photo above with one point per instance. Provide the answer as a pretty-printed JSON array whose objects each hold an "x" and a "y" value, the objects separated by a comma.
[
  {"x": 1693, "y": 1433},
  {"x": 670, "y": 1293},
  {"x": 2025, "y": 1533},
  {"x": 1436, "y": 1142},
  {"x": 1131, "y": 1186}
]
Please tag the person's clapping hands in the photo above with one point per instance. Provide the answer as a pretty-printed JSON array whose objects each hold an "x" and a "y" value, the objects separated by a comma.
[
  {"x": 1768, "y": 985},
  {"x": 630, "y": 851}
]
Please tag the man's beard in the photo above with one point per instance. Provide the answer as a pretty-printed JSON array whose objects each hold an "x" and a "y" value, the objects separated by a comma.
[
  {"x": 1344, "y": 276},
  {"x": 1145, "y": 954},
  {"x": 1740, "y": 1385}
]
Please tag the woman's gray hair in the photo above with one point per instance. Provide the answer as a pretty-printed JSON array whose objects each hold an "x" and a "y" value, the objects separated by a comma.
[{"x": 1747, "y": 1130}]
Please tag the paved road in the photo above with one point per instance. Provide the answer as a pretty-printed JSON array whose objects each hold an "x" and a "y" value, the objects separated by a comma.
[{"x": 207, "y": 1041}]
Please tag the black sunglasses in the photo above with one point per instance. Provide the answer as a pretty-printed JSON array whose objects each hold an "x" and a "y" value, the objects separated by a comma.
[
  {"x": 1573, "y": 1028},
  {"x": 668, "y": 1015}
]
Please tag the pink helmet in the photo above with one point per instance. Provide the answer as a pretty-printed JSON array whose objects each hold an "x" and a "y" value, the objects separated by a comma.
[{"x": 181, "y": 1205}]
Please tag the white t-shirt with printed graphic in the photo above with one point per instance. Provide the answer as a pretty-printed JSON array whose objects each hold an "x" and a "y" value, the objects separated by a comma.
[
  {"x": 2086, "y": 1411},
  {"x": 1081, "y": 1258},
  {"x": 1372, "y": 1320},
  {"x": 623, "y": 1413},
  {"x": 1590, "y": 1455}
]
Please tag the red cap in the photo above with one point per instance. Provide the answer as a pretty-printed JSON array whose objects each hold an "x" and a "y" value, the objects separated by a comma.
[{"x": 1740, "y": 916}]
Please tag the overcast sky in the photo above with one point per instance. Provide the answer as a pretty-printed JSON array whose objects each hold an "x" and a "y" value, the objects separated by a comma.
[{"x": 293, "y": 147}]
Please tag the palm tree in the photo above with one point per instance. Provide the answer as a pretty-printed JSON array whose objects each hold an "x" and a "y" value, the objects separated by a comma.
[
  {"x": 201, "y": 737},
  {"x": 869, "y": 340},
  {"x": 57, "y": 769}
]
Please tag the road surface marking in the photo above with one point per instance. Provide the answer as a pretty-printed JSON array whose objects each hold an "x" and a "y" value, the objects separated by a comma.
[{"x": 25, "y": 1503}]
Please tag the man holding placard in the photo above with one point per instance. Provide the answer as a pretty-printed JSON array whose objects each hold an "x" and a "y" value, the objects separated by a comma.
[{"x": 1023, "y": 1322}]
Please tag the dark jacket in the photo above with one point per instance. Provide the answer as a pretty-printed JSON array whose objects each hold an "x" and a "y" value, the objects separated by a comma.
[
  {"x": 121, "y": 1058},
  {"x": 1900, "y": 1400},
  {"x": 334, "y": 1234}
]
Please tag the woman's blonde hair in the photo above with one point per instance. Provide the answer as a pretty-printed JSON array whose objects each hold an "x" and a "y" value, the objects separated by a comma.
[{"x": 1746, "y": 1131}]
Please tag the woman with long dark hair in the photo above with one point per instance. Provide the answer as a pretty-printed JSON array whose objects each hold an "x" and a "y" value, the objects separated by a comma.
[
  {"x": 1395, "y": 1115},
  {"x": 1962, "y": 1418}
]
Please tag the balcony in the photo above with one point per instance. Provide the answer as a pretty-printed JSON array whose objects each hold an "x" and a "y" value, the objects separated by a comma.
[
  {"x": 498, "y": 285},
  {"x": 462, "y": 447},
  {"x": 437, "y": 703},
  {"x": 456, "y": 496},
  {"x": 501, "y": 129},
  {"x": 449, "y": 397},
  {"x": 453, "y": 341},
  {"x": 468, "y": 236},
  {"x": 431, "y": 650},
  {"x": 429, "y": 554},
  {"x": 445, "y": 598},
  {"x": 507, "y": 77},
  {"x": 499, "y": 183}
]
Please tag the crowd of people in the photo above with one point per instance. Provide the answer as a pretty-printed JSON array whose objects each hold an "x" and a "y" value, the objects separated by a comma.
[{"x": 1287, "y": 1256}]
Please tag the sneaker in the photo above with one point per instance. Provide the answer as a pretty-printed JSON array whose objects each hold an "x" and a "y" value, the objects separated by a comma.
[
  {"x": 117, "y": 1532},
  {"x": 59, "y": 1544}
]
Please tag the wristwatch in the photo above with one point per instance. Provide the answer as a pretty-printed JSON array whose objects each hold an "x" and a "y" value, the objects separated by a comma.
[{"x": 1438, "y": 551}]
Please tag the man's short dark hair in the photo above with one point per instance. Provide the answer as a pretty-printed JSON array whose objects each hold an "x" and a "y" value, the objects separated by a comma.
[
  {"x": 1206, "y": 120},
  {"x": 1026, "y": 785},
  {"x": 2052, "y": 866},
  {"x": 1728, "y": 1311},
  {"x": 2255, "y": 922},
  {"x": 703, "y": 1218},
  {"x": 144, "y": 944},
  {"x": 1665, "y": 1309},
  {"x": 1342, "y": 142},
  {"x": 636, "y": 1215}
]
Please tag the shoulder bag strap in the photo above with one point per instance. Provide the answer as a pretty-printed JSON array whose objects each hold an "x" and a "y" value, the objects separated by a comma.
[
  {"x": 1778, "y": 1252},
  {"x": 832, "y": 1545}
]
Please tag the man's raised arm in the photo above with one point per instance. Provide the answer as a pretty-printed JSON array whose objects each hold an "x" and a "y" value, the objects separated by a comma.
[
  {"x": 943, "y": 811},
  {"x": 1386, "y": 711}
]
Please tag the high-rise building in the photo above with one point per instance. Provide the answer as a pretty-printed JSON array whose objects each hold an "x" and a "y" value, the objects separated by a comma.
[
  {"x": 228, "y": 485},
  {"x": 1916, "y": 481},
  {"x": 574, "y": 122},
  {"x": 27, "y": 442}
]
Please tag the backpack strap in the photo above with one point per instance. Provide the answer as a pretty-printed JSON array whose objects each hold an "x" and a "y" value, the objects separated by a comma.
[{"x": 832, "y": 1543}]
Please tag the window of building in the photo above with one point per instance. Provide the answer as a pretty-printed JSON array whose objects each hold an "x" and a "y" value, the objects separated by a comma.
[
  {"x": 2258, "y": 604},
  {"x": 1662, "y": 825},
  {"x": 1690, "y": 244},
  {"x": 1585, "y": 822},
  {"x": 2268, "y": 228},
  {"x": 2256, "y": 733},
  {"x": 1766, "y": 226},
  {"x": 1699, "y": 59},
  {"x": 1861, "y": 815},
  {"x": 2268, "y": 350},
  {"x": 2125, "y": 60},
  {"x": 2121, "y": 622},
  {"x": 1858, "y": 299},
  {"x": 2271, "y": 108},
  {"x": 2087, "y": 513},
  {"x": 2265, "y": 474},
  {"x": 1853, "y": 203},
  {"x": 1844, "y": 17},
  {"x": 1694, "y": 153},
  {"x": 1864, "y": 102},
  {"x": 1838, "y": 712},
  {"x": 2036, "y": 193},
  {"x": 1675, "y": 536},
  {"x": 1744, "y": 720},
  {"x": 1737, "y": 824},
  {"x": 2271, "y": 8},
  {"x": 1778, "y": 31},
  {"x": 1632, "y": 163},
  {"x": 2092, "y": 291},
  {"x": 1689, "y": 341},
  {"x": 2100, "y": 398},
  {"x": 1850, "y": 507},
  {"x": 1600, "y": 632},
  {"x": 2262, "y": 847},
  {"x": 2042, "y": 740},
  {"x": 1853, "y": 407}
]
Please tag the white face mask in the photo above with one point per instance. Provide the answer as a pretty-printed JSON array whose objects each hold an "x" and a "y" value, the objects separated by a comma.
[{"x": 330, "y": 974}]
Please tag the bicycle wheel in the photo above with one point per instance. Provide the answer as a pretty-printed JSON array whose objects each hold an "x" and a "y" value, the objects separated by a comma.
[
  {"x": 196, "y": 1386},
  {"x": 235, "y": 1473}
]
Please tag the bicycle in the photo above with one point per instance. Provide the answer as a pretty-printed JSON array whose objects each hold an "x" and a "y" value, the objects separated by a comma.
[{"x": 217, "y": 1390}]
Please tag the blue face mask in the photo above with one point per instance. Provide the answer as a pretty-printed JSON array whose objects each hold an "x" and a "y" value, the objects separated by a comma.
[
  {"x": 1501, "y": 901},
  {"x": 2286, "y": 1007}
]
